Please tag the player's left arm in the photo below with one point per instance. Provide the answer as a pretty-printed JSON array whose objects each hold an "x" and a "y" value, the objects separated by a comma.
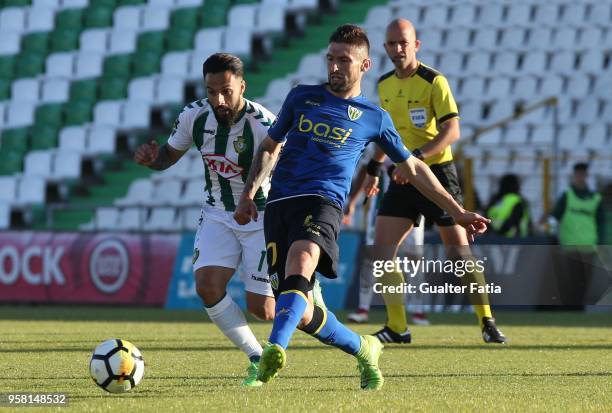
[
  {"x": 416, "y": 172},
  {"x": 447, "y": 116}
]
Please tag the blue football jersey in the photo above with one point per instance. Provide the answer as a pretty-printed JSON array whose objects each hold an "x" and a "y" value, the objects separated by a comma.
[{"x": 324, "y": 138}]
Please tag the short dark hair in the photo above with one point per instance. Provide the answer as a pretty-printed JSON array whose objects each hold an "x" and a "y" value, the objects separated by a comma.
[
  {"x": 223, "y": 62},
  {"x": 350, "y": 34},
  {"x": 581, "y": 167}
]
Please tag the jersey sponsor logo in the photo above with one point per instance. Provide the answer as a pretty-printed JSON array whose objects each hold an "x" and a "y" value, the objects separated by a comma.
[
  {"x": 222, "y": 166},
  {"x": 323, "y": 130},
  {"x": 311, "y": 226},
  {"x": 260, "y": 279},
  {"x": 240, "y": 144},
  {"x": 418, "y": 116},
  {"x": 354, "y": 113}
]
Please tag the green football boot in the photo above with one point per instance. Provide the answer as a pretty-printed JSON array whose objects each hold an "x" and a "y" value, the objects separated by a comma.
[
  {"x": 317, "y": 295},
  {"x": 367, "y": 362},
  {"x": 272, "y": 360},
  {"x": 251, "y": 378}
]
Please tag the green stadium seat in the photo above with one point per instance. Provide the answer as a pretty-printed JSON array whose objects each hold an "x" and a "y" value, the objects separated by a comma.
[
  {"x": 10, "y": 162},
  {"x": 16, "y": 3},
  {"x": 107, "y": 3},
  {"x": 35, "y": 43},
  {"x": 145, "y": 63},
  {"x": 69, "y": 19},
  {"x": 98, "y": 17},
  {"x": 130, "y": 2},
  {"x": 43, "y": 137},
  {"x": 151, "y": 42},
  {"x": 113, "y": 88},
  {"x": 29, "y": 64},
  {"x": 117, "y": 66},
  {"x": 7, "y": 67},
  {"x": 15, "y": 140},
  {"x": 179, "y": 39},
  {"x": 49, "y": 115},
  {"x": 184, "y": 18},
  {"x": 64, "y": 40},
  {"x": 214, "y": 15},
  {"x": 86, "y": 89},
  {"x": 245, "y": 2},
  {"x": 5, "y": 89},
  {"x": 77, "y": 112}
]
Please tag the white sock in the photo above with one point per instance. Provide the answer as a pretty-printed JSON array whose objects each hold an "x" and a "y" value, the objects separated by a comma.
[{"x": 228, "y": 316}]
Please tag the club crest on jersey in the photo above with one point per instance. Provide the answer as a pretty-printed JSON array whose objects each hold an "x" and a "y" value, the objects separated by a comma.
[
  {"x": 274, "y": 281},
  {"x": 221, "y": 165},
  {"x": 240, "y": 144},
  {"x": 354, "y": 113}
]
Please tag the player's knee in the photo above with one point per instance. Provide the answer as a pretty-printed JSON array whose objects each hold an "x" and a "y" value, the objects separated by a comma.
[
  {"x": 209, "y": 292},
  {"x": 262, "y": 311}
]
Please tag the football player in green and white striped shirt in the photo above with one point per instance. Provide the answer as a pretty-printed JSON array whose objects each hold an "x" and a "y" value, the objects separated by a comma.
[{"x": 227, "y": 130}]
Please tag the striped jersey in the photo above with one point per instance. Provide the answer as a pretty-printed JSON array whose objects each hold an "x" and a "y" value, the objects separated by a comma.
[{"x": 227, "y": 152}]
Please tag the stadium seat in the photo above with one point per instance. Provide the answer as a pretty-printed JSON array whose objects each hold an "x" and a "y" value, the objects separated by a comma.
[
  {"x": 131, "y": 218},
  {"x": 378, "y": 16},
  {"x": 155, "y": 18},
  {"x": 519, "y": 14},
  {"x": 270, "y": 20},
  {"x": 71, "y": 18},
  {"x": 94, "y": 40},
  {"x": 117, "y": 66},
  {"x": 563, "y": 63},
  {"x": 542, "y": 135},
  {"x": 67, "y": 165},
  {"x": 55, "y": 90},
  {"x": 151, "y": 42},
  {"x": 551, "y": 85},
  {"x": 435, "y": 16},
  {"x": 29, "y": 64},
  {"x": 15, "y": 140},
  {"x": 431, "y": 40},
  {"x": 485, "y": 39},
  {"x": 596, "y": 137},
  {"x": 10, "y": 43},
  {"x": 5, "y": 215},
  {"x": 478, "y": 63},
  {"x": 589, "y": 36},
  {"x": 471, "y": 113},
  {"x": 516, "y": 135},
  {"x": 73, "y": 138},
  {"x": 458, "y": 39},
  {"x": 25, "y": 90},
  {"x": 7, "y": 67},
  {"x": 11, "y": 162},
  {"x": 169, "y": 90},
  {"x": 490, "y": 13},
  {"x": 546, "y": 14},
  {"x": 472, "y": 88},
  {"x": 498, "y": 88},
  {"x": 142, "y": 88},
  {"x": 179, "y": 39},
  {"x": 32, "y": 42},
  {"x": 512, "y": 38},
  {"x": 107, "y": 113},
  {"x": 538, "y": 38},
  {"x": 533, "y": 64},
  {"x": 239, "y": 43},
  {"x": 209, "y": 39},
  {"x": 569, "y": 137},
  {"x": 114, "y": 88},
  {"x": 88, "y": 64},
  {"x": 19, "y": 114},
  {"x": 139, "y": 193},
  {"x": 167, "y": 192},
  {"x": 145, "y": 63},
  {"x": 9, "y": 188},
  {"x": 77, "y": 112},
  {"x": 43, "y": 137},
  {"x": 500, "y": 109},
  {"x": 578, "y": 87},
  {"x": 38, "y": 163},
  {"x": 122, "y": 41},
  {"x": 97, "y": 16},
  {"x": 190, "y": 218},
  {"x": 279, "y": 88},
  {"x": 126, "y": 17},
  {"x": 600, "y": 14},
  {"x": 12, "y": 19},
  {"x": 242, "y": 16},
  {"x": 40, "y": 19},
  {"x": 184, "y": 18},
  {"x": 175, "y": 64},
  {"x": 180, "y": 170},
  {"x": 107, "y": 218},
  {"x": 451, "y": 63},
  {"x": 162, "y": 219},
  {"x": 592, "y": 62},
  {"x": 59, "y": 65},
  {"x": 587, "y": 111},
  {"x": 136, "y": 114},
  {"x": 196, "y": 60},
  {"x": 193, "y": 195},
  {"x": 463, "y": 15},
  {"x": 505, "y": 63},
  {"x": 49, "y": 115},
  {"x": 564, "y": 39},
  {"x": 101, "y": 140},
  {"x": 524, "y": 87},
  {"x": 490, "y": 138},
  {"x": 410, "y": 12}
]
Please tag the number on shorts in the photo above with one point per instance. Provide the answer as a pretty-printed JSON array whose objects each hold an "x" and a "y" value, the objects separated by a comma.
[
  {"x": 272, "y": 247},
  {"x": 261, "y": 260}
]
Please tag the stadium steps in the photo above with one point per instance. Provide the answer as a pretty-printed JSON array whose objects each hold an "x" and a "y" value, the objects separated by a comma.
[{"x": 284, "y": 60}]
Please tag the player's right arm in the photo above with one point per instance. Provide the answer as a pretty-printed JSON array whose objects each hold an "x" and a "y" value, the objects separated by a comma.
[{"x": 159, "y": 158}]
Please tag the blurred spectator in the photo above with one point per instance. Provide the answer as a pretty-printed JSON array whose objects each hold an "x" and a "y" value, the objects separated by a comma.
[{"x": 508, "y": 210}]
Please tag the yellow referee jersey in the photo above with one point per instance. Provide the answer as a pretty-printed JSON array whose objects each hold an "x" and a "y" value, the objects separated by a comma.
[{"x": 417, "y": 104}]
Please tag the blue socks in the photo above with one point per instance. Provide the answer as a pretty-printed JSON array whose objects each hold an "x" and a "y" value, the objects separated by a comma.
[
  {"x": 290, "y": 307},
  {"x": 327, "y": 329}
]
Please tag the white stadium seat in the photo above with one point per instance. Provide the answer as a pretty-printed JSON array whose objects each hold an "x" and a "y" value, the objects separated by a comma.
[
  {"x": 563, "y": 63},
  {"x": 190, "y": 218},
  {"x": 539, "y": 38},
  {"x": 490, "y": 12},
  {"x": 139, "y": 193},
  {"x": 67, "y": 165},
  {"x": 551, "y": 86},
  {"x": 430, "y": 39},
  {"x": 498, "y": 87},
  {"x": 155, "y": 18},
  {"x": 524, "y": 87},
  {"x": 12, "y": 19},
  {"x": 472, "y": 88},
  {"x": 596, "y": 137},
  {"x": 135, "y": 114},
  {"x": 101, "y": 140},
  {"x": 512, "y": 38},
  {"x": 5, "y": 215},
  {"x": 578, "y": 87},
  {"x": 592, "y": 62},
  {"x": 166, "y": 192},
  {"x": 543, "y": 134},
  {"x": 94, "y": 40},
  {"x": 122, "y": 40},
  {"x": 534, "y": 63},
  {"x": 169, "y": 89},
  {"x": 19, "y": 114},
  {"x": 485, "y": 39},
  {"x": 38, "y": 163},
  {"x": 175, "y": 64},
  {"x": 25, "y": 90},
  {"x": 505, "y": 63},
  {"x": 589, "y": 36},
  {"x": 9, "y": 188},
  {"x": 546, "y": 14},
  {"x": 518, "y": 14},
  {"x": 435, "y": 16},
  {"x": 107, "y": 218},
  {"x": 209, "y": 39},
  {"x": 73, "y": 138},
  {"x": 73, "y": 4},
  {"x": 88, "y": 64},
  {"x": 107, "y": 113},
  {"x": 142, "y": 88},
  {"x": 40, "y": 19},
  {"x": 238, "y": 43},
  {"x": 600, "y": 14},
  {"x": 196, "y": 60},
  {"x": 564, "y": 39},
  {"x": 457, "y": 39},
  {"x": 55, "y": 90},
  {"x": 127, "y": 17},
  {"x": 60, "y": 65},
  {"x": 11, "y": 42},
  {"x": 162, "y": 219},
  {"x": 463, "y": 15},
  {"x": 378, "y": 16},
  {"x": 270, "y": 20},
  {"x": 193, "y": 195},
  {"x": 131, "y": 218},
  {"x": 478, "y": 63},
  {"x": 32, "y": 190},
  {"x": 242, "y": 15}
]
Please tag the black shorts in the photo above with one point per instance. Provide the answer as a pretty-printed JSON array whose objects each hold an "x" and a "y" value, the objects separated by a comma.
[
  {"x": 405, "y": 201},
  {"x": 311, "y": 218}
]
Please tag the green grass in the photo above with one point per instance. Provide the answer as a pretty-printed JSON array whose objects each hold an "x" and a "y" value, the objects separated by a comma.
[{"x": 555, "y": 362}]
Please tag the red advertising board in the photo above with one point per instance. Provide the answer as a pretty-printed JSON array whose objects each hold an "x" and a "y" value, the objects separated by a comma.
[{"x": 86, "y": 268}]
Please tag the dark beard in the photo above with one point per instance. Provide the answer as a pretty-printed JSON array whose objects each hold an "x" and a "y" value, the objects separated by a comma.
[
  {"x": 343, "y": 87},
  {"x": 226, "y": 119}
]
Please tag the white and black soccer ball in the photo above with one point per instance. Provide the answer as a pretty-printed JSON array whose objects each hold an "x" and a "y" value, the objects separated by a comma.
[{"x": 116, "y": 366}]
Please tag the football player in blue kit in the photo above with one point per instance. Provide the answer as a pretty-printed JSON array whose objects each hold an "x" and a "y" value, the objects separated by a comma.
[{"x": 325, "y": 129}]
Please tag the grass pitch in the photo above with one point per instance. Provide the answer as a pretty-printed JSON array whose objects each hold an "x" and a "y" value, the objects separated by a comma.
[{"x": 555, "y": 361}]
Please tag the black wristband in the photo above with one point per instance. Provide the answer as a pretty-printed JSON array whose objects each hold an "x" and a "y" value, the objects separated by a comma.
[
  {"x": 418, "y": 154},
  {"x": 373, "y": 168}
]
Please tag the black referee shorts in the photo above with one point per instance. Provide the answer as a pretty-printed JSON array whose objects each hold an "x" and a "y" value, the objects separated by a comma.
[
  {"x": 311, "y": 218},
  {"x": 405, "y": 201}
]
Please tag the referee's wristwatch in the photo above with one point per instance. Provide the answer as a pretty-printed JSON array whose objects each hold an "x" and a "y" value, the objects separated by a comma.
[{"x": 418, "y": 154}]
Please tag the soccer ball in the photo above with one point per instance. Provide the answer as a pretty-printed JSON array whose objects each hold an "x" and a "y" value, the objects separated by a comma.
[{"x": 117, "y": 366}]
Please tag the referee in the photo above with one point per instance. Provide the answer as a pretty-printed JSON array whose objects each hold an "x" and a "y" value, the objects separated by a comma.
[{"x": 424, "y": 112}]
